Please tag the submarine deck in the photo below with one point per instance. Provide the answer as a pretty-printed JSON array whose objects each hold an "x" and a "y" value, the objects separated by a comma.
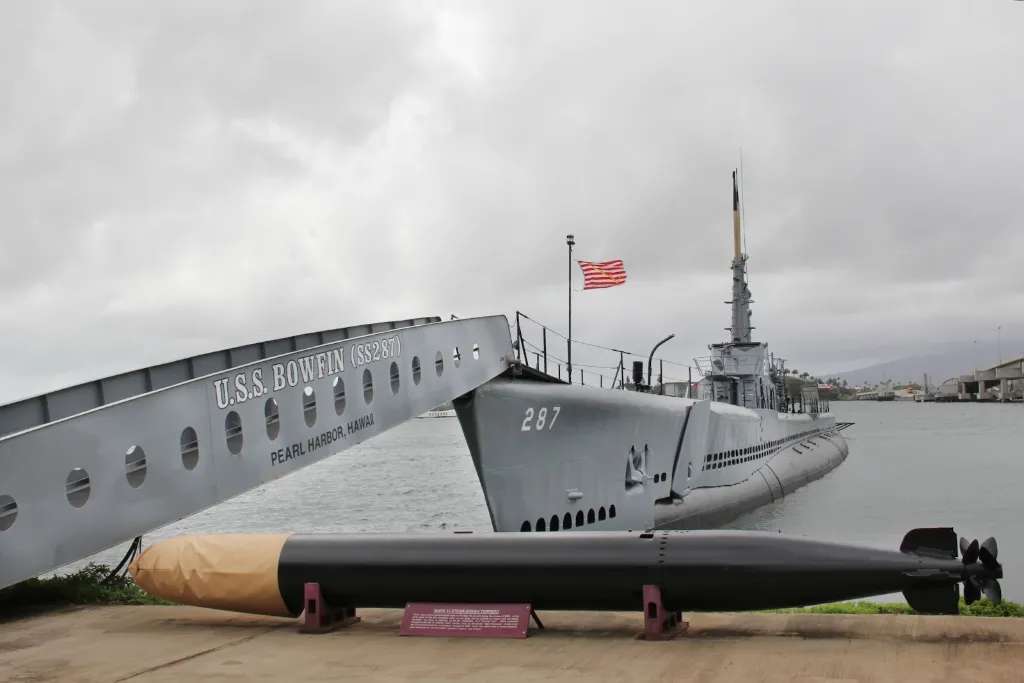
[{"x": 188, "y": 643}]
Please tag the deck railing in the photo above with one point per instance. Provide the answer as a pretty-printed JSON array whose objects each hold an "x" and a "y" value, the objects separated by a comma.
[{"x": 546, "y": 350}]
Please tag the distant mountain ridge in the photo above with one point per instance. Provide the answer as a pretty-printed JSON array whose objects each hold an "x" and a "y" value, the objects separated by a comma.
[{"x": 949, "y": 360}]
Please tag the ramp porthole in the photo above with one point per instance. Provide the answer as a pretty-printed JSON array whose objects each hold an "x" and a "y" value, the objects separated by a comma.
[
  {"x": 77, "y": 487},
  {"x": 554, "y": 523},
  {"x": 541, "y": 525},
  {"x": 567, "y": 521},
  {"x": 9, "y": 512},
  {"x": 233, "y": 432},
  {"x": 456, "y": 356},
  {"x": 590, "y": 516},
  {"x": 367, "y": 386},
  {"x": 339, "y": 395},
  {"x": 600, "y": 514},
  {"x": 417, "y": 370},
  {"x": 439, "y": 364},
  {"x": 135, "y": 466},
  {"x": 579, "y": 518},
  {"x": 189, "y": 448},
  {"x": 272, "y": 413},
  {"x": 396, "y": 380},
  {"x": 524, "y": 527},
  {"x": 309, "y": 406},
  {"x": 611, "y": 512}
]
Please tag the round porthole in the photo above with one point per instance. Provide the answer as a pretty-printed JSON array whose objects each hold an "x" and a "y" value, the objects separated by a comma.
[
  {"x": 233, "y": 432},
  {"x": 8, "y": 512},
  {"x": 77, "y": 487},
  {"x": 417, "y": 371},
  {"x": 189, "y": 448},
  {"x": 309, "y": 406},
  {"x": 272, "y": 413},
  {"x": 396, "y": 380},
  {"x": 367, "y": 386},
  {"x": 339, "y": 395},
  {"x": 135, "y": 466}
]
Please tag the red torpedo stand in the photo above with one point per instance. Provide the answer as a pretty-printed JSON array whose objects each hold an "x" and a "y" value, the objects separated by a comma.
[
  {"x": 320, "y": 617},
  {"x": 659, "y": 623}
]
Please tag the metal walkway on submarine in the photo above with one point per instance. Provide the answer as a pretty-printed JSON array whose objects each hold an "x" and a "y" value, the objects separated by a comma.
[{"x": 100, "y": 463}]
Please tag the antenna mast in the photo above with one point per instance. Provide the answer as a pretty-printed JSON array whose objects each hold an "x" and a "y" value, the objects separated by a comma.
[
  {"x": 737, "y": 240},
  {"x": 740, "y": 292}
]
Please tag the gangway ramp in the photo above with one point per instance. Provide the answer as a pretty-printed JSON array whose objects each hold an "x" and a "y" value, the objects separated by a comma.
[{"x": 85, "y": 468}]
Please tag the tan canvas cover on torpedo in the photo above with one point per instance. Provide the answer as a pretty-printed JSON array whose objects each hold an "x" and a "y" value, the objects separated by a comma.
[{"x": 225, "y": 571}]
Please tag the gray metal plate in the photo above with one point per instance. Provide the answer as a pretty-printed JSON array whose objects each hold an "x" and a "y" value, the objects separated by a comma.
[{"x": 131, "y": 492}]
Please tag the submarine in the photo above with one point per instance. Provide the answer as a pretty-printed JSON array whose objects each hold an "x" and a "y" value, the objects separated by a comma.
[{"x": 553, "y": 455}]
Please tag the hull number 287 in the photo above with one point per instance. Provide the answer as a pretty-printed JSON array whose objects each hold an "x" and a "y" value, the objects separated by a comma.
[{"x": 541, "y": 419}]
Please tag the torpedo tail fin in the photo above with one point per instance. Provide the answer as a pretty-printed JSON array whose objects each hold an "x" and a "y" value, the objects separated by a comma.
[
  {"x": 940, "y": 542},
  {"x": 944, "y": 599},
  {"x": 981, "y": 569}
]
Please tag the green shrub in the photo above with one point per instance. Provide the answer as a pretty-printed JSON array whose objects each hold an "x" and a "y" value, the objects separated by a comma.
[
  {"x": 984, "y": 608},
  {"x": 83, "y": 587}
]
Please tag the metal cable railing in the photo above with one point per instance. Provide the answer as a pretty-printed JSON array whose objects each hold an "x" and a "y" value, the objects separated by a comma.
[{"x": 534, "y": 349}]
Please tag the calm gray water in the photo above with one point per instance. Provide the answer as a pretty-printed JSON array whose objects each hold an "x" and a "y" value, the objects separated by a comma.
[{"x": 910, "y": 465}]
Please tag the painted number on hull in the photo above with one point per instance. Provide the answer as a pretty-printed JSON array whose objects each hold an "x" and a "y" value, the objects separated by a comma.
[
  {"x": 545, "y": 419},
  {"x": 379, "y": 349}
]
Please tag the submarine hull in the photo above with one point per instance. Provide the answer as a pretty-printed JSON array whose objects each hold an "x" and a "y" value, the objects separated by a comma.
[{"x": 552, "y": 457}]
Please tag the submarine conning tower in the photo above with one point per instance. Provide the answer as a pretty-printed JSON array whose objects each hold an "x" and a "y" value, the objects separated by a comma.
[{"x": 740, "y": 371}]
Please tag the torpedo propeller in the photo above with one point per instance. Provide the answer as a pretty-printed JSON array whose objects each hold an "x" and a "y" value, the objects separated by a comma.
[{"x": 981, "y": 569}]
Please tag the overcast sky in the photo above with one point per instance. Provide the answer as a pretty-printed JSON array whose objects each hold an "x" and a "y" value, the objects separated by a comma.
[{"x": 177, "y": 177}]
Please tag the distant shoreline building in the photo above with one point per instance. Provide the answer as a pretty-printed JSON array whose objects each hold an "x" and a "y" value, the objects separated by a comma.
[{"x": 1001, "y": 382}]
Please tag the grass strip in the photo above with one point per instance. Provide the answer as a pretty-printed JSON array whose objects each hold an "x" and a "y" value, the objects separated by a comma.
[{"x": 981, "y": 608}]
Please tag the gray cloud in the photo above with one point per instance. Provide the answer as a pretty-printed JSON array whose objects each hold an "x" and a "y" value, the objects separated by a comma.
[{"x": 182, "y": 176}]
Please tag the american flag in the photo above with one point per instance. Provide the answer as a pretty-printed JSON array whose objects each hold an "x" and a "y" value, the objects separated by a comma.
[{"x": 597, "y": 275}]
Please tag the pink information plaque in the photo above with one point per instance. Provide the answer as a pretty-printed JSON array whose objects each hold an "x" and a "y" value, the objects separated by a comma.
[{"x": 465, "y": 620}]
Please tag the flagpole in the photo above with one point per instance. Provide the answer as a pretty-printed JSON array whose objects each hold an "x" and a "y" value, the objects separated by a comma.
[{"x": 570, "y": 240}]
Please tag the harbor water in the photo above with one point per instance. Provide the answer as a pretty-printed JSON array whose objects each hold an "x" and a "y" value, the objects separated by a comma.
[{"x": 910, "y": 465}]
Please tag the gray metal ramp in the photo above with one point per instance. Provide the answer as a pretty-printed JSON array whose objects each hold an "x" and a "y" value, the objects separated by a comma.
[{"x": 84, "y": 468}]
